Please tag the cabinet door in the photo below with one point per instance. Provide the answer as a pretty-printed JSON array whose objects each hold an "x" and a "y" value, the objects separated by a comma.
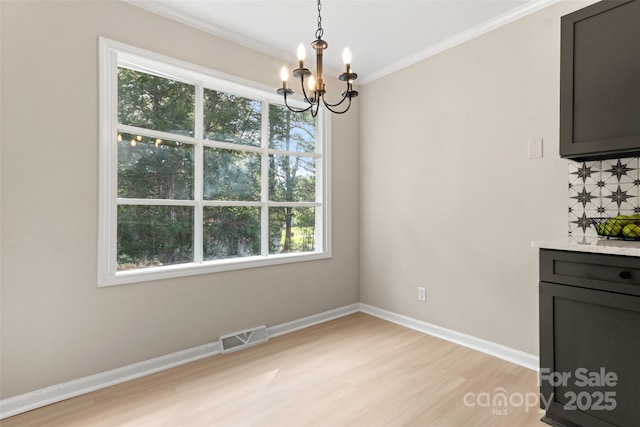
[
  {"x": 589, "y": 356},
  {"x": 600, "y": 81}
]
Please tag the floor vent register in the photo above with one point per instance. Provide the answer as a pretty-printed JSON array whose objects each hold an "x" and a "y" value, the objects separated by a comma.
[{"x": 243, "y": 339}]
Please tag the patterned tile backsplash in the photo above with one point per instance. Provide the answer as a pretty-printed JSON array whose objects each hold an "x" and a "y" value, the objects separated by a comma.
[{"x": 604, "y": 188}]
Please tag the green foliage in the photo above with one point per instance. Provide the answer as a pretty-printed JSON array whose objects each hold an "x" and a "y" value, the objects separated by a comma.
[
  {"x": 154, "y": 235},
  {"x": 231, "y": 231},
  {"x": 291, "y": 230},
  {"x": 231, "y": 175},
  {"x": 154, "y": 102},
  {"x": 291, "y": 131},
  {"x": 230, "y": 118},
  {"x": 154, "y": 169}
]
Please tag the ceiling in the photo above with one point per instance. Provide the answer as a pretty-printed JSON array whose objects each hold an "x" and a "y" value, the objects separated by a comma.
[{"x": 383, "y": 35}]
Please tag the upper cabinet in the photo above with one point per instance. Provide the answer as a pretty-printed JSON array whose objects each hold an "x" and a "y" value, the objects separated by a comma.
[{"x": 600, "y": 81}]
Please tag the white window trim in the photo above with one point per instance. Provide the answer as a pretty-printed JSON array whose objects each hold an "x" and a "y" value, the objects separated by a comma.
[{"x": 112, "y": 53}]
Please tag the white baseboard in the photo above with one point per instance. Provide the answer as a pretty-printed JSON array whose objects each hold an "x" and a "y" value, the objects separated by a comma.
[
  {"x": 56, "y": 393},
  {"x": 305, "y": 322},
  {"x": 500, "y": 351}
]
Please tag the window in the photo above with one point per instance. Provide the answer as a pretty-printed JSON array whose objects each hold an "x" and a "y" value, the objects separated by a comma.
[{"x": 201, "y": 172}]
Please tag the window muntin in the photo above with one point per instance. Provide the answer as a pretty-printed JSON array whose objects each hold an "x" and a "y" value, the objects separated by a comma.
[{"x": 202, "y": 174}]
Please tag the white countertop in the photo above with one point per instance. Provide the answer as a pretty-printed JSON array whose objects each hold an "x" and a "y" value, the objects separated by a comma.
[{"x": 593, "y": 244}]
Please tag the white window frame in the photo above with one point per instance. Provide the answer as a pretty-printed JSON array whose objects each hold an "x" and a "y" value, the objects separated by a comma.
[{"x": 111, "y": 55}]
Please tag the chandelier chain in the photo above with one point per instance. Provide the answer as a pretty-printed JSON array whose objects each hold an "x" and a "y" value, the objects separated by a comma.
[{"x": 319, "y": 31}]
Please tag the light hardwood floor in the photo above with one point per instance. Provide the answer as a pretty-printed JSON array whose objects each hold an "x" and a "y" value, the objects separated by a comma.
[{"x": 353, "y": 371}]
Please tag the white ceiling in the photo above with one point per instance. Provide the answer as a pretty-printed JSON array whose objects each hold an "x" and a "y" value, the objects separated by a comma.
[{"x": 383, "y": 35}]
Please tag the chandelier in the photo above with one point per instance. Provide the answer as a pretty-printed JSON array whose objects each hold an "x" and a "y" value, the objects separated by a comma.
[{"x": 316, "y": 85}]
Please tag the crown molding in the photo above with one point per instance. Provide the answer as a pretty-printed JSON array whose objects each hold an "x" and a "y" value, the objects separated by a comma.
[
  {"x": 206, "y": 26},
  {"x": 471, "y": 33}
]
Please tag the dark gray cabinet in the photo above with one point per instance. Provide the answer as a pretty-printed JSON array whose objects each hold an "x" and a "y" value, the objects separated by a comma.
[
  {"x": 589, "y": 339},
  {"x": 600, "y": 81}
]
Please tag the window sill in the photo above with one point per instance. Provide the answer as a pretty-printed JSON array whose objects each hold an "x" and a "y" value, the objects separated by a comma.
[{"x": 192, "y": 269}]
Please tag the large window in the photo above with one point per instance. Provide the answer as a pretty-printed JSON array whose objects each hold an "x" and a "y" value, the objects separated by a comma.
[{"x": 200, "y": 172}]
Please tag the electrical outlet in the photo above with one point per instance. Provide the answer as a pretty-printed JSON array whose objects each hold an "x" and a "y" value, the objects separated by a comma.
[{"x": 422, "y": 294}]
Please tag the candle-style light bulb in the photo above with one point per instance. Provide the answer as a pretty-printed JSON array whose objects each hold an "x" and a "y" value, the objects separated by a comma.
[
  {"x": 346, "y": 57},
  {"x": 312, "y": 83},
  {"x": 302, "y": 53},
  {"x": 284, "y": 75}
]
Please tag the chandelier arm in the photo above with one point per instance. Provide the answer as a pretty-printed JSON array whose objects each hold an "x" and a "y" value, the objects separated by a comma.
[
  {"x": 344, "y": 97},
  {"x": 346, "y": 94},
  {"x": 295, "y": 110},
  {"x": 336, "y": 111}
]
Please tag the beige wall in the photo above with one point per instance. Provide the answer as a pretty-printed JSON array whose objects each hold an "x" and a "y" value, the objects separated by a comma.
[
  {"x": 449, "y": 199},
  {"x": 56, "y": 324}
]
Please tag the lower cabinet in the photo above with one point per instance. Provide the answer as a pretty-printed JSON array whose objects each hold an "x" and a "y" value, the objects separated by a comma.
[{"x": 589, "y": 339}]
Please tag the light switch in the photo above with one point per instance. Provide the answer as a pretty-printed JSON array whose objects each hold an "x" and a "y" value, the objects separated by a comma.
[{"x": 535, "y": 148}]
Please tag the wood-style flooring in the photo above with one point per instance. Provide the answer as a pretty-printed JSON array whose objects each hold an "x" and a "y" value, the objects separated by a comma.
[{"x": 354, "y": 371}]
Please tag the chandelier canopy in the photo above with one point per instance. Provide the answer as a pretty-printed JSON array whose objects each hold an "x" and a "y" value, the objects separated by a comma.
[{"x": 316, "y": 85}]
